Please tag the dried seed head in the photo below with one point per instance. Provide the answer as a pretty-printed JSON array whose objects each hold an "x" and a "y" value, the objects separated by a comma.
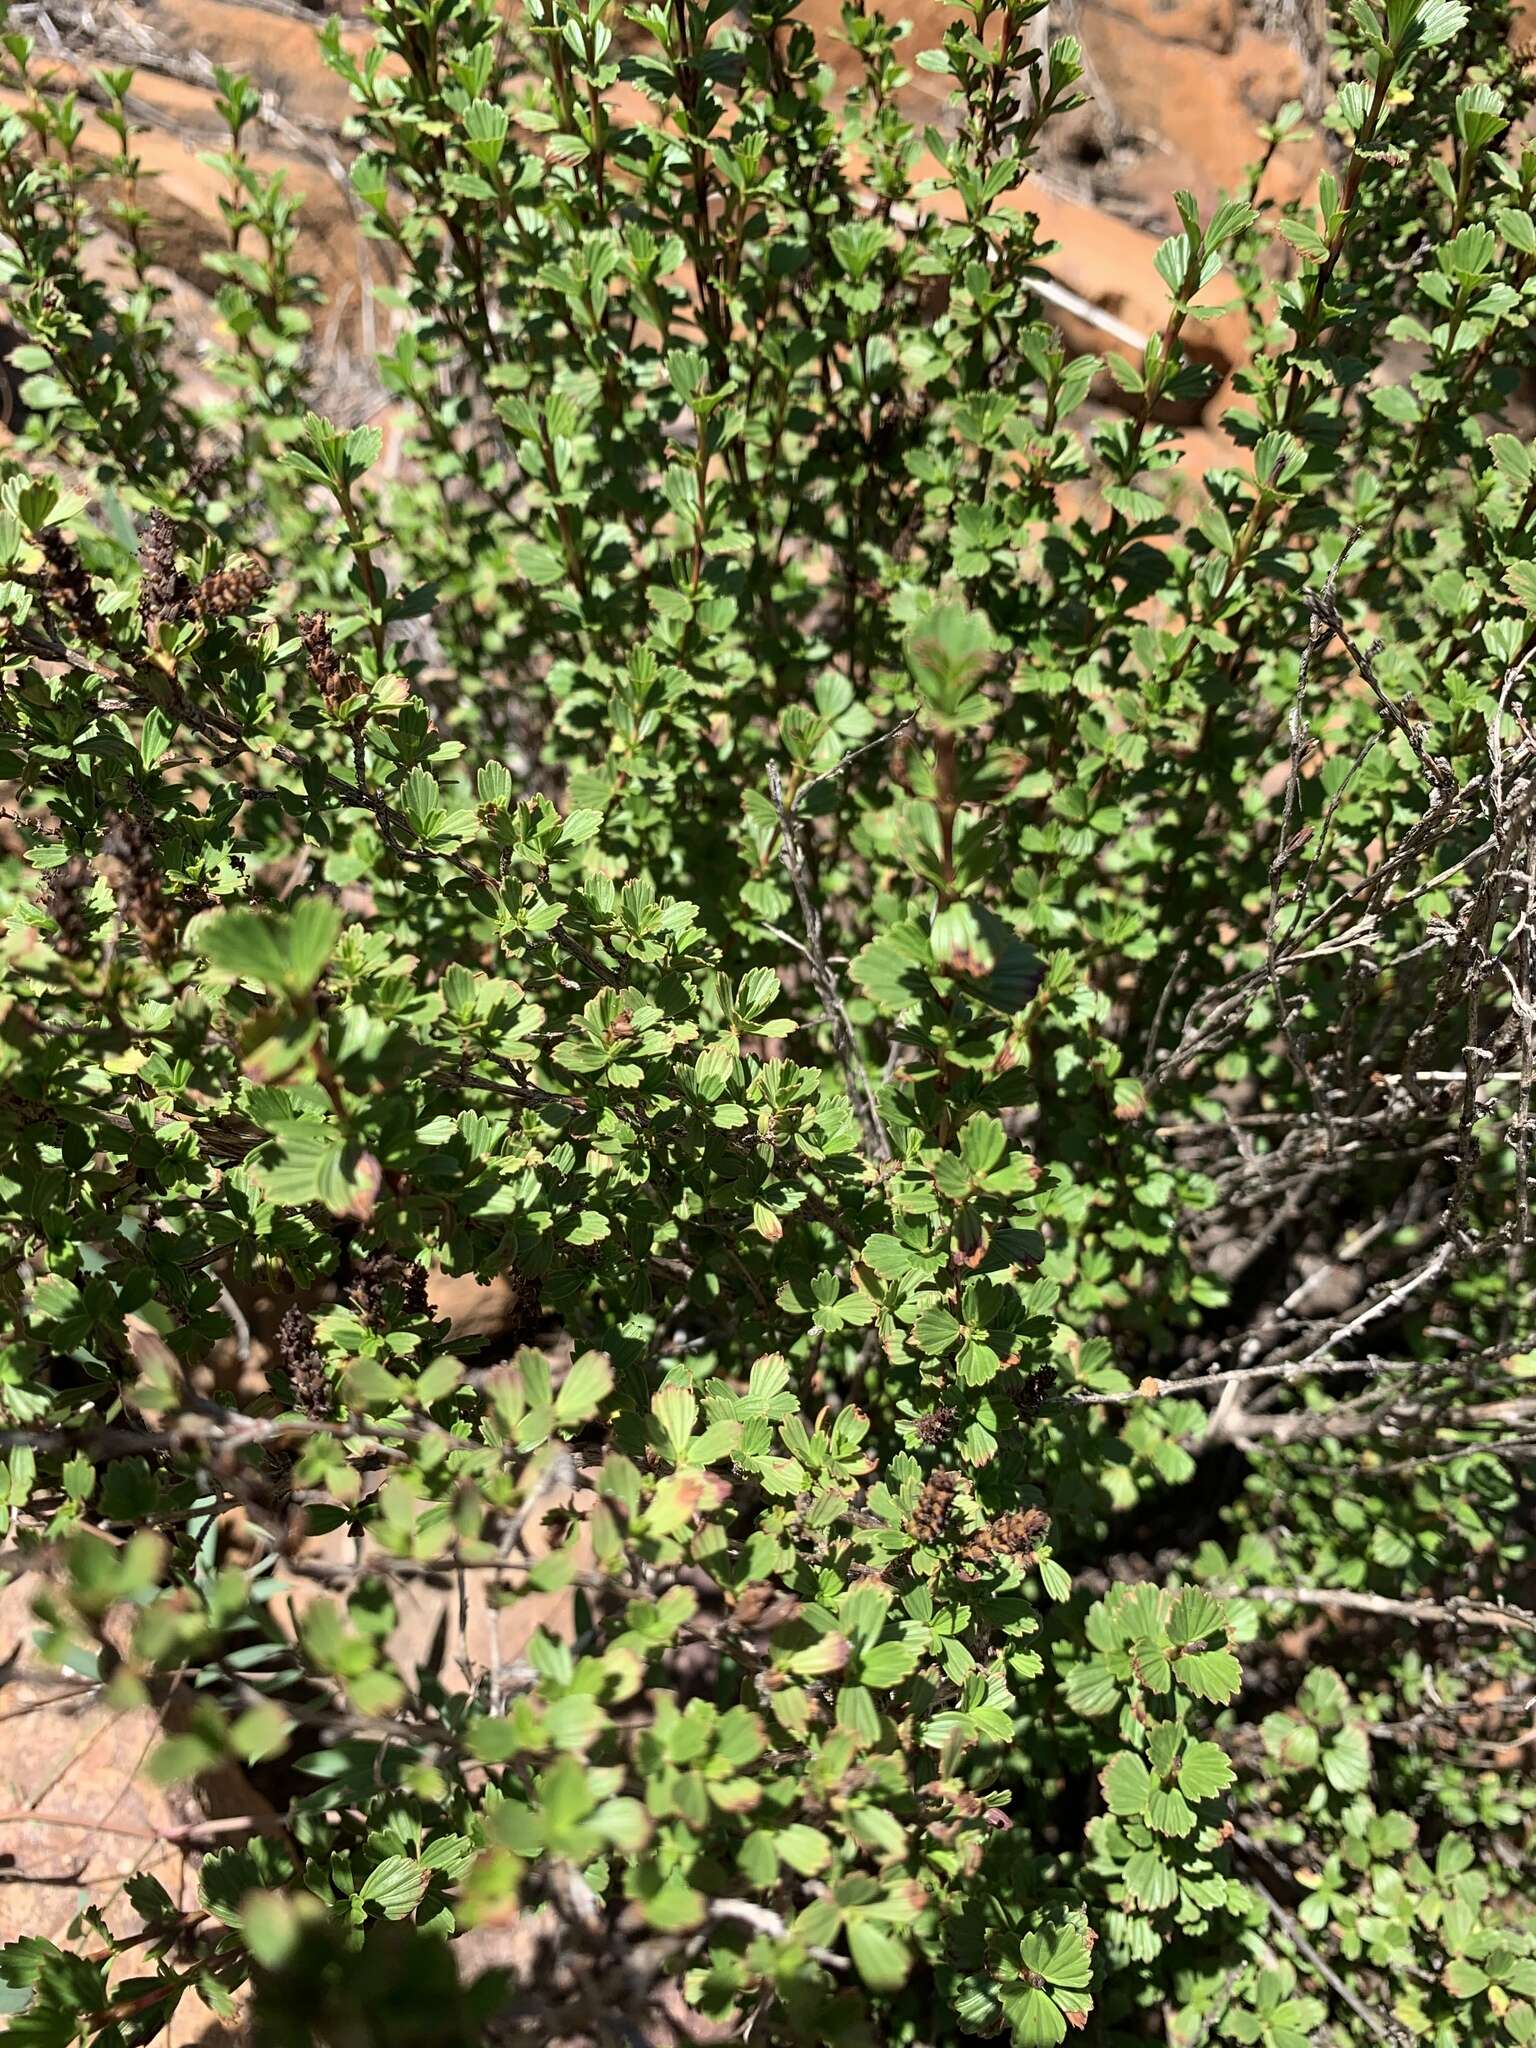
[
  {"x": 63, "y": 898},
  {"x": 1033, "y": 1391},
  {"x": 1014, "y": 1534},
  {"x": 334, "y": 683},
  {"x": 207, "y": 471},
  {"x": 936, "y": 1427},
  {"x": 131, "y": 849},
  {"x": 300, "y": 1357},
  {"x": 524, "y": 1311},
  {"x": 163, "y": 589},
  {"x": 929, "y": 1517},
  {"x": 226, "y": 591},
  {"x": 68, "y": 587},
  {"x": 386, "y": 1287}
]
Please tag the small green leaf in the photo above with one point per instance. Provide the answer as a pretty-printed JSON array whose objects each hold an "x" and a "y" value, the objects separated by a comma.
[
  {"x": 583, "y": 1390},
  {"x": 1463, "y": 1979},
  {"x": 1204, "y": 1770},
  {"x": 1209, "y": 1674},
  {"x": 881, "y": 1958},
  {"x": 1127, "y": 1784}
]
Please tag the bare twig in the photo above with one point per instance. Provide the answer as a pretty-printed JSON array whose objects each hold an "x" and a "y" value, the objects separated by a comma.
[
  {"x": 1461, "y": 1611},
  {"x": 881, "y": 739},
  {"x": 860, "y": 1094},
  {"x": 1380, "y": 2027},
  {"x": 1152, "y": 1389}
]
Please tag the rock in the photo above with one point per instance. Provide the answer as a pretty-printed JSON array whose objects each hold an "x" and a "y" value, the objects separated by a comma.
[
  {"x": 1209, "y": 24},
  {"x": 281, "y": 55},
  {"x": 476, "y": 1310},
  {"x": 1195, "y": 109}
]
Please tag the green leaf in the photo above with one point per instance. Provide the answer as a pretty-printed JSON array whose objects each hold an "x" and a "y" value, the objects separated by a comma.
[
  {"x": 1150, "y": 1879},
  {"x": 803, "y": 1848},
  {"x": 935, "y": 1331},
  {"x": 1347, "y": 1760},
  {"x": 1056, "y": 1581},
  {"x": 1168, "y": 1811},
  {"x": 537, "y": 564},
  {"x": 676, "y": 1410},
  {"x": 894, "y": 970},
  {"x": 286, "y": 952},
  {"x": 1127, "y": 1784},
  {"x": 888, "y": 1664},
  {"x": 1194, "y": 1616},
  {"x": 1463, "y": 1979},
  {"x": 247, "y": 946},
  {"x": 948, "y": 652},
  {"x": 983, "y": 1142},
  {"x": 1067, "y": 1962},
  {"x": 1091, "y": 1689},
  {"x": 1513, "y": 459},
  {"x": 881, "y": 1958},
  {"x": 583, "y": 1390},
  {"x": 309, "y": 940},
  {"x": 1037, "y": 2018},
  {"x": 1209, "y": 1674},
  {"x": 229, "y": 1877},
  {"x": 1304, "y": 238},
  {"x": 361, "y": 450},
  {"x": 1204, "y": 1770},
  {"x": 156, "y": 736},
  {"x": 580, "y": 825}
]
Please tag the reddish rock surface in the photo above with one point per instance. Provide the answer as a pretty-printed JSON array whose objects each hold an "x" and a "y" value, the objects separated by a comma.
[
  {"x": 1200, "y": 105},
  {"x": 277, "y": 51}
]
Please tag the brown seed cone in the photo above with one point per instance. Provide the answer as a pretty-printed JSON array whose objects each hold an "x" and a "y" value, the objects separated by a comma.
[
  {"x": 130, "y": 847},
  {"x": 1014, "y": 1534},
  {"x": 763, "y": 1607},
  {"x": 929, "y": 1517},
  {"x": 1032, "y": 1391},
  {"x": 386, "y": 1287},
  {"x": 334, "y": 683},
  {"x": 524, "y": 1312},
  {"x": 163, "y": 589},
  {"x": 226, "y": 591},
  {"x": 68, "y": 585},
  {"x": 936, "y": 1427},
  {"x": 300, "y": 1357},
  {"x": 205, "y": 473},
  {"x": 64, "y": 900}
]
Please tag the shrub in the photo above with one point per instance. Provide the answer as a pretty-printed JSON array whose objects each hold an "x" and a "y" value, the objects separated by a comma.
[{"x": 977, "y": 999}]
